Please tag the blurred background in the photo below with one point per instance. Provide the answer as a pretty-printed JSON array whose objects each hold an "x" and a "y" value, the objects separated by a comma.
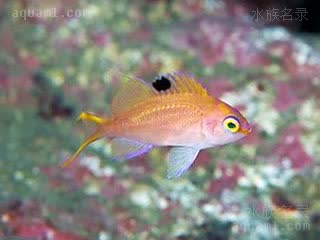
[{"x": 57, "y": 58}]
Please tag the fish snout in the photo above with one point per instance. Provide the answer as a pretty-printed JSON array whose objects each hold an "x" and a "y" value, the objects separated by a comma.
[{"x": 246, "y": 130}]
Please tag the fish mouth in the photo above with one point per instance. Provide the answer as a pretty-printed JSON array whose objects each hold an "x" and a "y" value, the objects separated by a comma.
[{"x": 245, "y": 131}]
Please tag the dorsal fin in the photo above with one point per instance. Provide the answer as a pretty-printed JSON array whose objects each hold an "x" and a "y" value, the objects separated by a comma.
[
  {"x": 132, "y": 91},
  {"x": 177, "y": 82}
]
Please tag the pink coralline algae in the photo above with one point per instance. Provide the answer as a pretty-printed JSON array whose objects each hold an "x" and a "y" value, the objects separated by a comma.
[
  {"x": 23, "y": 219},
  {"x": 228, "y": 179},
  {"x": 42, "y": 230},
  {"x": 286, "y": 96},
  {"x": 297, "y": 59},
  {"x": 101, "y": 39},
  {"x": 289, "y": 148},
  {"x": 218, "y": 86},
  {"x": 244, "y": 44},
  {"x": 216, "y": 40}
]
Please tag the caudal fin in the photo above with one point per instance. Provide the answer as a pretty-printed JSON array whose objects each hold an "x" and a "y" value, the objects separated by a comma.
[
  {"x": 91, "y": 117},
  {"x": 99, "y": 133}
]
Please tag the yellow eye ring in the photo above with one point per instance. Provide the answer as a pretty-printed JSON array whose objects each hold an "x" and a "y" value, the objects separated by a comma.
[{"x": 232, "y": 124}]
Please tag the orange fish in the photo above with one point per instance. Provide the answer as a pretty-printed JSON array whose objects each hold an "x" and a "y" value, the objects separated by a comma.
[{"x": 175, "y": 110}]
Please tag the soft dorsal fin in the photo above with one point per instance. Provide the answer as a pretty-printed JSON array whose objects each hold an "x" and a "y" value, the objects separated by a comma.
[
  {"x": 132, "y": 91},
  {"x": 176, "y": 82}
]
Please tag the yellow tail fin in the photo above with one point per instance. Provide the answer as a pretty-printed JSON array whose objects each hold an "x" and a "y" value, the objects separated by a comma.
[
  {"x": 95, "y": 136},
  {"x": 91, "y": 117}
]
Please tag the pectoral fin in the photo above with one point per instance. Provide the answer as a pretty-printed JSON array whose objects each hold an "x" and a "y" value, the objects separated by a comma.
[
  {"x": 122, "y": 148},
  {"x": 180, "y": 159}
]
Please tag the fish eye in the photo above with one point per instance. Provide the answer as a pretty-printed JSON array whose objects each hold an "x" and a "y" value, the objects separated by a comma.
[{"x": 232, "y": 124}]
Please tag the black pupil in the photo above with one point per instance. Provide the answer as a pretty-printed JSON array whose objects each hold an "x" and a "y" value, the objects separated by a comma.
[
  {"x": 231, "y": 125},
  {"x": 161, "y": 83}
]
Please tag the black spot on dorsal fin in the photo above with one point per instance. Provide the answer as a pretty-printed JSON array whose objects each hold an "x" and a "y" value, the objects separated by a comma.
[{"x": 161, "y": 83}]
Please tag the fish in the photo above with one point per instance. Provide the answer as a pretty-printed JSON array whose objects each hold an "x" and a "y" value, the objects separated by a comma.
[{"x": 175, "y": 110}]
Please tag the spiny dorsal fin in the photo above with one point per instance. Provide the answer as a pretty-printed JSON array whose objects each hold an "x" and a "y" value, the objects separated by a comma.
[
  {"x": 132, "y": 91},
  {"x": 177, "y": 82}
]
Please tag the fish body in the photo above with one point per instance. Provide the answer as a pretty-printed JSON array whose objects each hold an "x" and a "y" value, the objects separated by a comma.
[
  {"x": 174, "y": 111},
  {"x": 163, "y": 121}
]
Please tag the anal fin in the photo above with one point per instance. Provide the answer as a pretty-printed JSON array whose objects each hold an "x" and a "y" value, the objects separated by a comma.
[{"x": 122, "y": 148}]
